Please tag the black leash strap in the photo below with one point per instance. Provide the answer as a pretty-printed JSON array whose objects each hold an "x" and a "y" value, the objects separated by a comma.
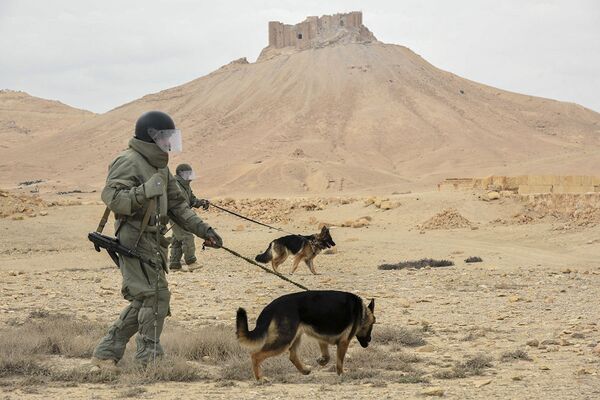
[
  {"x": 285, "y": 278},
  {"x": 251, "y": 220}
]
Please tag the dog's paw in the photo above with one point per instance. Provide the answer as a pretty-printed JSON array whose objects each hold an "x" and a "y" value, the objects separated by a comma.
[
  {"x": 323, "y": 361},
  {"x": 306, "y": 371}
]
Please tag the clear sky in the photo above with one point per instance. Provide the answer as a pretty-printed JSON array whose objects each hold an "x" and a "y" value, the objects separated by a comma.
[{"x": 98, "y": 55}]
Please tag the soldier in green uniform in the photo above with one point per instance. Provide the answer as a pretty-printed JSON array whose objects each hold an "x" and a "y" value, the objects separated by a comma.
[
  {"x": 143, "y": 194},
  {"x": 183, "y": 241}
]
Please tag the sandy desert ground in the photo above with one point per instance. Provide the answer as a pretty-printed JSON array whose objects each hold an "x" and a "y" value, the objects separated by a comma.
[{"x": 521, "y": 324}]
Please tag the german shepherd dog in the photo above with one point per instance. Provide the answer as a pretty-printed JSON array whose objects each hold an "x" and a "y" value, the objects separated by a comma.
[
  {"x": 332, "y": 317},
  {"x": 304, "y": 248}
]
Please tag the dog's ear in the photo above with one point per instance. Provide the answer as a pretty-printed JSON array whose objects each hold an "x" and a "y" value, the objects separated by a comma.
[
  {"x": 372, "y": 305},
  {"x": 324, "y": 229}
]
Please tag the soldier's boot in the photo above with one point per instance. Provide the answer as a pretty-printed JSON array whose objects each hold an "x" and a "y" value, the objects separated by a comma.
[
  {"x": 148, "y": 338},
  {"x": 111, "y": 347},
  {"x": 176, "y": 253}
]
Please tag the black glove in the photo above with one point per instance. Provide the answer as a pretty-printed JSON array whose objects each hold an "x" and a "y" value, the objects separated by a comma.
[
  {"x": 212, "y": 239},
  {"x": 201, "y": 203}
]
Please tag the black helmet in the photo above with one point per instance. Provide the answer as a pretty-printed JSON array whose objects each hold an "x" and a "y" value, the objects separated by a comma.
[
  {"x": 182, "y": 167},
  {"x": 152, "y": 119}
]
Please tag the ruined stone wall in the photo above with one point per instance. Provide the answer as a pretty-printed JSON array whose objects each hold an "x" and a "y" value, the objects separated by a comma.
[
  {"x": 527, "y": 184},
  {"x": 302, "y": 35}
]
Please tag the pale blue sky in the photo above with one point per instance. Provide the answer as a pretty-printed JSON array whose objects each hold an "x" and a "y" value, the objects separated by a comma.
[{"x": 98, "y": 55}]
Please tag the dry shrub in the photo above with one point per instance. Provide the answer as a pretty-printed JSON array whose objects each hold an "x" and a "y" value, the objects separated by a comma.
[
  {"x": 515, "y": 355},
  {"x": 44, "y": 334},
  {"x": 417, "y": 264},
  {"x": 472, "y": 366},
  {"x": 410, "y": 337},
  {"x": 217, "y": 343},
  {"x": 25, "y": 352}
]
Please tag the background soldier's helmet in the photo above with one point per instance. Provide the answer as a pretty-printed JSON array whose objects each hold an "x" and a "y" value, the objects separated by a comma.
[
  {"x": 156, "y": 120},
  {"x": 183, "y": 167}
]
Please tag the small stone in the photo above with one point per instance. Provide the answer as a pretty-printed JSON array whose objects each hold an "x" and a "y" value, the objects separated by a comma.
[
  {"x": 434, "y": 391},
  {"x": 43, "y": 213},
  {"x": 548, "y": 342},
  {"x": 482, "y": 383},
  {"x": 565, "y": 342},
  {"x": 493, "y": 195},
  {"x": 428, "y": 348},
  {"x": 544, "y": 368},
  {"x": 583, "y": 371},
  {"x": 403, "y": 303},
  {"x": 517, "y": 378},
  {"x": 533, "y": 343},
  {"x": 596, "y": 350},
  {"x": 566, "y": 270}
]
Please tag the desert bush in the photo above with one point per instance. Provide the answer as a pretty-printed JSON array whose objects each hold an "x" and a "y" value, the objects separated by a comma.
[
  {"x": 417, "y": 264},
  {"x": 515, "y": 355},
  {"x": 398, "y": 335}
]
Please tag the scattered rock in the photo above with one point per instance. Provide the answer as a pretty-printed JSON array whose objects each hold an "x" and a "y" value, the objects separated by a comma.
[
  {"x": 596, "y": 350},
  {"x": 533, "y": 343},
  {"x": 402, "y": 302},
  {"x": 433, "y": 391},
  {"x": 482, "y": 383},
  {"x": 565, "y": 342},
  {"x": 389, "y": 205},
  {"x": 428, "y": 348},
  {"x": 514, "y": 298},
  {"x": 493, "y": 195},
  {"x": 549, "y": 342}
]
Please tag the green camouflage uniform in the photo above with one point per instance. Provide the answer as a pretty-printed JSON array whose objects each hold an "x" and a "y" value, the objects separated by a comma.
[
  {"x": 125, "y": 195},
  {"x": 183, "y": 241}
]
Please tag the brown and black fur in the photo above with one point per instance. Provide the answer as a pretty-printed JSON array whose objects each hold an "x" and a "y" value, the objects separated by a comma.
[
  {"x": 304, "y": 248},
  {"x": 332, "y": 317}
]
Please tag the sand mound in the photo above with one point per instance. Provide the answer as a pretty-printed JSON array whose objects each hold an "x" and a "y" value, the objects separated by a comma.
[{"x": 449, "y": 218}]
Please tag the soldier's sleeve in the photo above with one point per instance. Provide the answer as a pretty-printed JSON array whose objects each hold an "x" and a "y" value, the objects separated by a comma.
[
  {"x": 181, "y": 213},
  {"x": 193, "y": 199},
  {"x": 123, "y": 194}
]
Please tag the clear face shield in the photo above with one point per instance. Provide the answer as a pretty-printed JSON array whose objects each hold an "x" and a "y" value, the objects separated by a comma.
[
  {"x": 169, "y": 140},
  {"x": 188, "y": 175}
]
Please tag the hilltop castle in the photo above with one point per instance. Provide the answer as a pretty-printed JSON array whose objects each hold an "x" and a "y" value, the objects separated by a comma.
[{"x": 320, "y": 31}]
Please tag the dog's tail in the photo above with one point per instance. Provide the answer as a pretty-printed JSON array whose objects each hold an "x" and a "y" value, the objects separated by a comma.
[
  {"x": 266, "y": 256},
  {"x": 251, "y": 339}
]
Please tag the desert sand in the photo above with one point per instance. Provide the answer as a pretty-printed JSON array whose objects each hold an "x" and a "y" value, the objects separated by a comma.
[
  {"x": 537, "y": 284},
  {"x": 353, "y": 133}
]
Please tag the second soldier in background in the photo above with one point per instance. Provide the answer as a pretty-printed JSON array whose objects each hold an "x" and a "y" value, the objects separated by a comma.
[{"x": 182, "y": 243}]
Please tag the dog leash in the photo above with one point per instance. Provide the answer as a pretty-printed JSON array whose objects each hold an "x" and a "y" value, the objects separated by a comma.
[
  {"x": 252, "y": 220},
  {"x": 285, "y": 278},
  {"x": 250, "y": 261}
]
